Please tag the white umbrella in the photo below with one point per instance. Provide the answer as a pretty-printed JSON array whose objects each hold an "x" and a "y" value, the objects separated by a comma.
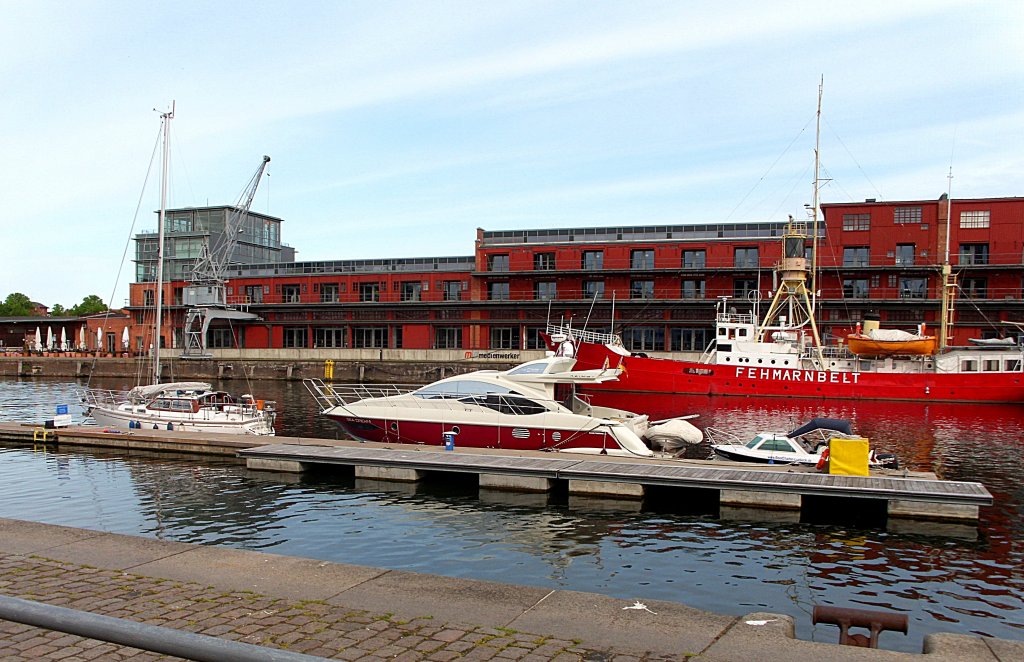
[
  {"x": 99, "y": 338},
  {"x": 49, "y": 337},
  {"x": 39, "y": 340},
  {"x": 124, "y": 338},
  {"x": 63, "y": 339},
  {"x": 81, "y": 336}
]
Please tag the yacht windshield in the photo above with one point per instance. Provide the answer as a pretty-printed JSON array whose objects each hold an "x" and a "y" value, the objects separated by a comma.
[{"x": 458, "y": 389}]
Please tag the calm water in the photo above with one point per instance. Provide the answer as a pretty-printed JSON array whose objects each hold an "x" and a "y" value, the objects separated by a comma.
[{"x": 944, "y": 584}]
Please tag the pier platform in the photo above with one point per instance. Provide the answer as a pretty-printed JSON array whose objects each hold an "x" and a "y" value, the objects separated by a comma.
[
  {"x": 900, "y": 500},
  {"x": 352, "y": 612},
  {"x": 736, "y": 488}
]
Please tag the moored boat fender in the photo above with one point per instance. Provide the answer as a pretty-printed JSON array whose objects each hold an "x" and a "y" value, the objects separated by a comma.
[{"x": 822, "y": 460}]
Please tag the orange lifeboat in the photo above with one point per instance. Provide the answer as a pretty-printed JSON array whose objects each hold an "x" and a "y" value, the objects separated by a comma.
[
  {"x": 865, "y": 345},
  {"x": 874, "y": 341}
]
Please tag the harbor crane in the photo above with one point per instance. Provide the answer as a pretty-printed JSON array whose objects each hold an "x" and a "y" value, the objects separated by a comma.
[{"x": 206, "y": 293}]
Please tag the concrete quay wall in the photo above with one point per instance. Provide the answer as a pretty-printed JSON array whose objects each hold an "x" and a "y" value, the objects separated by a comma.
[
  {"x": 395, "y": 366},
  {"x": 348, "y": 612}
]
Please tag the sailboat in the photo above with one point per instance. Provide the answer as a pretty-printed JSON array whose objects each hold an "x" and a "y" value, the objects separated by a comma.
[
  {"x": 182, "y": 406},
  {"x": 780, "y": 353}
]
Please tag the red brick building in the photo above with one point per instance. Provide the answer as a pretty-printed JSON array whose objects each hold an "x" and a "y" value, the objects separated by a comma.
[{"x": 663, "y": 281}]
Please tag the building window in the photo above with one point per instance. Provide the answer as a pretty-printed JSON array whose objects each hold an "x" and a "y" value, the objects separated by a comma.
[
  {"x": 641, "y": 289},
  {"x": 497, "y": 262},
  {"x": 448, "y": 337},
  {"x": 412, "y": 290},
  {"x": 855, "y": 288},
  {"x": 290, "y": 293},
  {"x": 644, "y": 338},
  {"x": 334, "y": 336},
  {"x": 593, "y": 289},
  {"x": 904, "y": 215},
  {"x": 534, "y": 339},
  {"x": 329, "y": 293},
  {"x": 641, "y": 259},
  {"x": 855, "y": 222},
  {"x": 452, "y": 290},
  {"x": 497, "y": 291},
  {"x": 504, "y": 337},
  {"x": 397, "y": 335},
  {"x": 856, "y": 256},
  {"x": 745, "y": 258},
  {"x": 913, "y": 288},
  {"x": 976, "y": 288},
  {"x": 693, "y": 289},
  {"x": 973, "y": 253},
  {"x": 295, "y": 336},
  {"x": 593, "y": 260},
  {"x": 369, "y": 291},
  {"x": 148, "y": 298},
  {"x": 253, "y": 294},
  {"x": 370, "y": 337},
  {"x": 974, "y": 219},
  {"x": 544, "y": 261},
  {"x": 694, "y": 259},
  {"x": 689, "y": 339},
  {"x": 905, "y": 255},
  {"x": 545, "y": 290},
  {"x": 219, "y": 338},
  {"x": 742, "y": 287}
]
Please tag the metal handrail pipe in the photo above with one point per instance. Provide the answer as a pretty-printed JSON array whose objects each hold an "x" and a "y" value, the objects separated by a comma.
[{"x": 158, "y": 639}]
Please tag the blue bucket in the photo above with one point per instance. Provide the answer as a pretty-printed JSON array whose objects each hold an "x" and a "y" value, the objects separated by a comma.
[{"x": 449, "y": 440}]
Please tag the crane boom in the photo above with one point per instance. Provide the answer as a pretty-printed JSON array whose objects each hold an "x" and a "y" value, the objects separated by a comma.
[
  {"x": 213, "y": 259},
  {"x": 206, "y": 294}
]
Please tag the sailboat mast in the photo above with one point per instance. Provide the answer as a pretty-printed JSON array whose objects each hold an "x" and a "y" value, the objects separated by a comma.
[
  {"x": 814, "y": 205},
  {"x": 167, "y": 117}
]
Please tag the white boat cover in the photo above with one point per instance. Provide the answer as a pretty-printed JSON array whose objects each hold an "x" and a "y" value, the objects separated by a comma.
[
  {"x": 893, "y": 335},
  {"x": 155, "y": 389}
]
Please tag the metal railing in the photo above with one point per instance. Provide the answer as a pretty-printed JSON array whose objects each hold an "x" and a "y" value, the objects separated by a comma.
[{"x": 164, "y": 640}]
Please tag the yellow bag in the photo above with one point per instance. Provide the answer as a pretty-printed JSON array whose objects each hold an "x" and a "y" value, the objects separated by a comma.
[{"x": 848, "y": 457}]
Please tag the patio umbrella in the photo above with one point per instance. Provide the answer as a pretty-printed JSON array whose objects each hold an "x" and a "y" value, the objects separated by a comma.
[
  {"x": 49, "y": 337},
  {"x": 39, "y": 340},
  {"x": 99, "y": 338},
  {"x": 63, "y": 339},
  {"x": 124, "y": 338},
  {"x": 81, "y": 336}
]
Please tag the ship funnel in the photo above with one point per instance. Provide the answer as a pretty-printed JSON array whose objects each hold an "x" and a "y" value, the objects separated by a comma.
[{"x": 871, "y": 323}]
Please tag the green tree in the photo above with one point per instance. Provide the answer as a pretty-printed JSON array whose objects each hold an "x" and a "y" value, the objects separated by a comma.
[
  {"x": 16, "y": 305},
  {"x": 58, "y": 310},
  {"x": 90, "y": 305}
]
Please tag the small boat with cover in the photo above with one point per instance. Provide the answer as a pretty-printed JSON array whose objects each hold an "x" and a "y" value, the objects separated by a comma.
[{"x": 805, "y": 445}]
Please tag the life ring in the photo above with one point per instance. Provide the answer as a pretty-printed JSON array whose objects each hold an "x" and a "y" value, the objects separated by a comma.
[{"x": 822, "y": 460}]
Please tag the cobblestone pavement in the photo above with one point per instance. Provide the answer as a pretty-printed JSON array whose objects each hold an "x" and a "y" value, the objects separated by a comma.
[{"x": 311, "y": 627}]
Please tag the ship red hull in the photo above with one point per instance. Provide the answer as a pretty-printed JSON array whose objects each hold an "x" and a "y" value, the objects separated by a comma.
[{"x": 651, "y": 375}]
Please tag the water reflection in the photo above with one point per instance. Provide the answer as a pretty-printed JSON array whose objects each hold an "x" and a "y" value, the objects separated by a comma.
[{"x": 453, "y": 529}]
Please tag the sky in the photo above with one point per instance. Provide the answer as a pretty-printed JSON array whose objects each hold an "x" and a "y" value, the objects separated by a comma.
[{"x": 396, "y": 129}]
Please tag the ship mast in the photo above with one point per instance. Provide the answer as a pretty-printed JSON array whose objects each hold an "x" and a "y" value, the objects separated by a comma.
[
  {"x": 166, "y": 117},
  {"x": 948, "y": 282},
  {"x": 792, "y": 293}
]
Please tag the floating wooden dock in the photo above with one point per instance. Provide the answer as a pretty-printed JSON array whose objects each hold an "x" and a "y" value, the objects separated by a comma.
[
  {"x": 756, "y": 492},
  {"x": 738, "y": 488}
]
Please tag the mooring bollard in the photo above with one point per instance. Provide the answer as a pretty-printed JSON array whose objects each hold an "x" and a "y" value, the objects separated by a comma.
[{"x": 845, "y": 618}]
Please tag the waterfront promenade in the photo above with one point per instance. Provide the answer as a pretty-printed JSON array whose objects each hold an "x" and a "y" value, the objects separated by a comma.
[{"x": 350, "y": 612}]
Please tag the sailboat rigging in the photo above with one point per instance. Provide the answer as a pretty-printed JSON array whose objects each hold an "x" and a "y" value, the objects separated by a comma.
[{"x": 183, "y": 406}]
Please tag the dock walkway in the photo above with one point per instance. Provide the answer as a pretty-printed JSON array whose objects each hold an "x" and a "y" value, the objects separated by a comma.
[
  {"x": 351, "y": 612},
  {"x": 953, "y": 501}
]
